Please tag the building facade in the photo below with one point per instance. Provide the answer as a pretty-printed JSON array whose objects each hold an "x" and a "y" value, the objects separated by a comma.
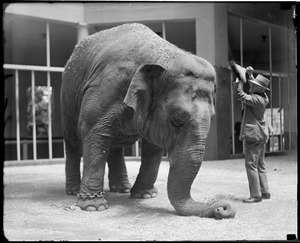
[{"x": 40, "y": 37}]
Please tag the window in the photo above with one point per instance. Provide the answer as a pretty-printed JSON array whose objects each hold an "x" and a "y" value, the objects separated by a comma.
[{"x": 264, "y": 47}]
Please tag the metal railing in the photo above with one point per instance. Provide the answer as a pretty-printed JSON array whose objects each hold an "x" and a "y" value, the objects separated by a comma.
[
  {"x": 24, "y": 143},
  {"x": 32, "y": 69}
]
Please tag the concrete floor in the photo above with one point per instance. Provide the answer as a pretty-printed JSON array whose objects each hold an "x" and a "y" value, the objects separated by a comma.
[{"x": 37, "y": 208}]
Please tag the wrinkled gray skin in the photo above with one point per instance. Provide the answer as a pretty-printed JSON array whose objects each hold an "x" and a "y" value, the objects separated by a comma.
[{"x": 125, "y": 83}]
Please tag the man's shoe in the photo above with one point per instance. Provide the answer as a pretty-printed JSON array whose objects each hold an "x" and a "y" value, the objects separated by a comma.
[
  {"x": 266, "y": 195},
  {"x": 253, "y": 200}
]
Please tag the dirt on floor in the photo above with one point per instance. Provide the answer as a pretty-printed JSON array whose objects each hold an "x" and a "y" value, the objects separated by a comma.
[{"x": 37, "y": 208}]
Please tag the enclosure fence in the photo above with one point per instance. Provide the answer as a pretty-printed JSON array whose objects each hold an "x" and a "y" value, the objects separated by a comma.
[
  {"x": 22, "y": 146},
  {"x": 32, "y": 69}
]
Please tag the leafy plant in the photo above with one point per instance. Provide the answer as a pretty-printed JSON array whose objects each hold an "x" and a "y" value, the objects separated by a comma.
[{"x": 42, "y": 98}]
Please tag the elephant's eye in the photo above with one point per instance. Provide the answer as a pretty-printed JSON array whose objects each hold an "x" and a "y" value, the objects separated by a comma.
[{"x": 176, "y": 122}]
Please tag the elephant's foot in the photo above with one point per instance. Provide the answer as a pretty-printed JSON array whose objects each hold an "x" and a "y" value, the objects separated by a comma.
[
  {"x": 72, "y": 188},
  {"x": 144, "y": 193},
  {"x": 223, "y": 210},
  {"x": 88, "y": 202},
  {"x": 117, "y": 186}
]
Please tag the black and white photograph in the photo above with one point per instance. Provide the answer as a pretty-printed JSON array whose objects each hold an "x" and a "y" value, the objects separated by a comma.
[{"x": 150, "y": 121}]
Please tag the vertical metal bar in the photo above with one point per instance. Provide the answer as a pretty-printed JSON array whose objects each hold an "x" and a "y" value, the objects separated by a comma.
[
  {"x": 280, "y": 114},
  {"x": 270, "y": 51},
  {"x": 64, "y": 148},
  {"x": 272, "y": 118},
  {"x": 48, "y": 44},
  {"x": 232, "y": 116},
  {"x": 296, "y": 95},
  {"x": 271, "y": 90},
  {"x": 33, "y": 115},
  {"x": 289, "y": 117},
  {"x": 164, "y": 30},
  {"x": 241, "y": 42},
  {"x": 49, "y": 91},
  {"x": 137, "y": 152},
  {"x": 17, "y": 115},
  {"x": 25, "y": 149},
  {"x": 242, "y": 59},
  {"x": 49, "y": 114}
]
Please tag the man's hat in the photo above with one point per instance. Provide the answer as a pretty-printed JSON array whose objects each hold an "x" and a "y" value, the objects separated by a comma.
[{"x": 261, "y": 81}]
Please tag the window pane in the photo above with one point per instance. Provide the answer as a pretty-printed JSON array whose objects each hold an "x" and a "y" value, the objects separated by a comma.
[
  {"x": 234, "y": 38},
  {"x": 255, "y": 45},
  {"x": 63, "y": 39},
  {"x": 182, "y": 34},
  {"x": 25, "y": 41},
  {"x": 156, "y": 27},
  {"x": 279, "y": 49}
]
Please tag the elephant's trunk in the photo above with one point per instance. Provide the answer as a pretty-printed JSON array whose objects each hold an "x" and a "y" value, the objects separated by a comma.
[{"x": 185, "y": 162}]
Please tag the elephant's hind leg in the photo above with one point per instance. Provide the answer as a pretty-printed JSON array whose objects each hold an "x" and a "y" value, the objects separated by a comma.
[
  {"x": 144, "y": 184},
  {"x": 117, "y": 175},
  {"x": 72, "y": 169}
]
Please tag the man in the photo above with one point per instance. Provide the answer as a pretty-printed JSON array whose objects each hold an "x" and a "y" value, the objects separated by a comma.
[{"x": 254, "y": 130}]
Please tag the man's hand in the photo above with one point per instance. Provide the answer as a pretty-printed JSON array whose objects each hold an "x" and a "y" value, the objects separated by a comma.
[{"x": 249, "y": 73}]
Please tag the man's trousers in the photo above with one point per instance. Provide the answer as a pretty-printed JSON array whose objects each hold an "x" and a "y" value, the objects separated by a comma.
[{"x": 256, "y": 168}]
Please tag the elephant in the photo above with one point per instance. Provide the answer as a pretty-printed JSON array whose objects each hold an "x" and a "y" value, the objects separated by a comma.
[{"x": 127, "y": 83}]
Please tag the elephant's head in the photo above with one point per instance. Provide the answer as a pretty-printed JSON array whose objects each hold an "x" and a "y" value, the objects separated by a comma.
[{"x": 173, "y": 108}]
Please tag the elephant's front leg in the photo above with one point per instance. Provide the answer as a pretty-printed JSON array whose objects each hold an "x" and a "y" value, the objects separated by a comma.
[
  {"x": 117, "y": 175},
  {"x": 144, "y": 184},
  {"x": 95, "y": 153},
  {"x": 72, "y": 168}
]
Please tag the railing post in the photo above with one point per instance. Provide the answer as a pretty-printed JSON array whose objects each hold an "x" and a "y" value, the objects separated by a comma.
[
  {"x": 33, "y": 115},
  {"x": 49, "y": 92},
  {"x": 49, "y": 88},
  {"x": 280, "y": 115},
  {"x": 289, "y": 116},
  {"x": 137, "y": 152},
  {"x": 64, "y": 145},
  {"x": 17, "y": 115},
  {"x": 232, "y": 115},
  {"x": 25, "y": 149}
]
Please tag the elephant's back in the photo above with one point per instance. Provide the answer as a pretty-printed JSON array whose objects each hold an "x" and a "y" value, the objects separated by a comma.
[
  {"x": 138, "y": 42},
  {"x": 103, "y": 56},
  {"x": 133, "y": 43}
]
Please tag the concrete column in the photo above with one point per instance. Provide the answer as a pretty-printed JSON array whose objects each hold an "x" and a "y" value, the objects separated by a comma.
[
  {"x": 82, "y": 31},
  {"x": 205, "y": 36}
]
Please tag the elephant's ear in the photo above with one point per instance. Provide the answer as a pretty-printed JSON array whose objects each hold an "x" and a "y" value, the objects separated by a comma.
[{"x": 140, "y": 92}]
